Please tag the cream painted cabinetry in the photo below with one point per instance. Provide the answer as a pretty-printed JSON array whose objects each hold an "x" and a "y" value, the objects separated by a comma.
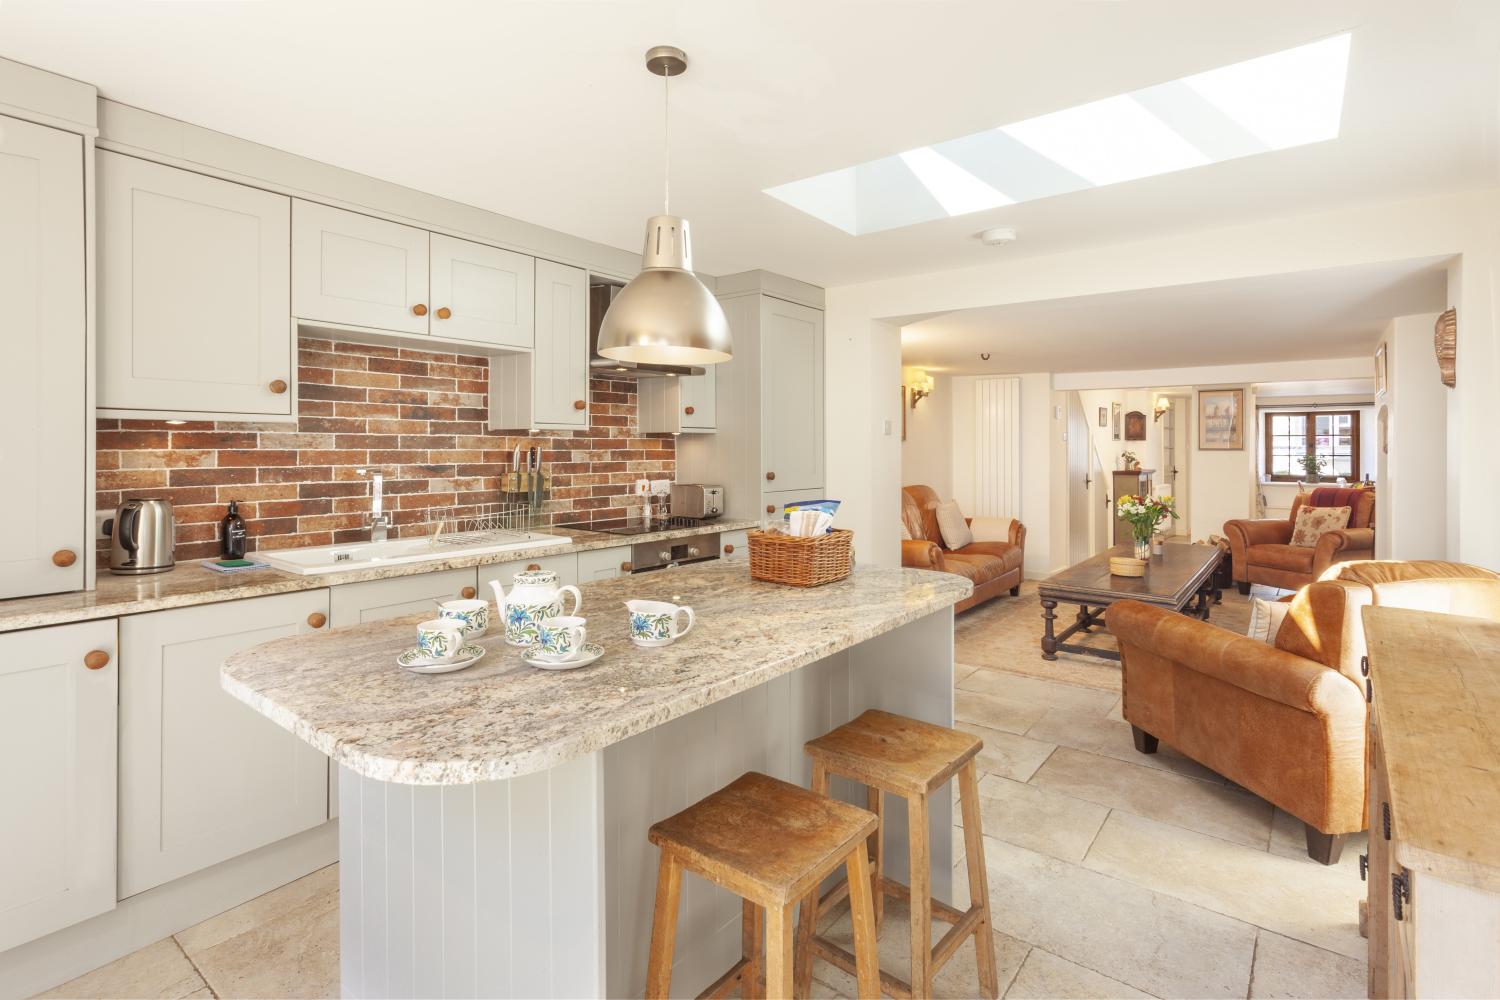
[
  {"x": 686, "y": 404},
  {"x": 791, "y": 416},
  {"x": 548, "y": 387},
  {"x": 58, "y": 688},
  {"x": 194, "y": 293},
  {"x": 201, "y": 778},
  {"x": 481, "y": 293},
  {"x": 603, "y": 564},
  {"x": 565, "y": 565},
  {"x": 44, "y": 420},
  {"x": 356, "y": 270},
  {"x": 734, "y": 546}
]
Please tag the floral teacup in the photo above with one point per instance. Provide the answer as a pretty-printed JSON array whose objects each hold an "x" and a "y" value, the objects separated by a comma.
[
  {"x": 654, "y": 623},
  {"x": 473, "y": 615},
  {"x": 560, "y": 638},
  {"x": 440, "y": 638}
]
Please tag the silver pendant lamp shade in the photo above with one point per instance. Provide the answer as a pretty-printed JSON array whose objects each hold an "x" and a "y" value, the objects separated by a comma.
[{"x": 665, "y": 316}]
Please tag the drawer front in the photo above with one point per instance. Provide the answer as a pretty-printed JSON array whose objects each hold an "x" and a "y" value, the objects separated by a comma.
[
  {"x": 603, "y": 564},
  {"x": 734, "y": 546},
  {"x": 381, "y": 600}
]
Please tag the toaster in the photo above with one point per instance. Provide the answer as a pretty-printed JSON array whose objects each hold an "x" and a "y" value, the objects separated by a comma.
[
  {"x": 697, "y": 500},
  {"x": 141, "y": 537}
]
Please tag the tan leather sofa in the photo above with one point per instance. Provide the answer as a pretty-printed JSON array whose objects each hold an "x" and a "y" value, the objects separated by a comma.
[
  {"x": 995, "y": 567},
  {"x": 1260, "y": 549},
  {"x": 1286, "y": 721}
]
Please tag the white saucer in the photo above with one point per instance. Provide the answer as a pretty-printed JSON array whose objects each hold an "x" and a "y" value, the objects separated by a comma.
[
  {"x": 414, "y": 662},
  {"x": 591, "y": 652}
]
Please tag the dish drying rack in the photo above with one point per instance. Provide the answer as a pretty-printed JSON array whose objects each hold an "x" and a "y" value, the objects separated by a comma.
[{"x": 480, "y": 524}]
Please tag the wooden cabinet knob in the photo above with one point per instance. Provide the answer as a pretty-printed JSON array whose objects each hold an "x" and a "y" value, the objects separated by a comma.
[
  {"x": 467, "y": 593},
  {"x": 317, "y": 619},
  {"x": 419, "y": 310},
  {"x": 442, "y": 313},
  {"x": 579, "y": 404},
  {"x": 688, "y": 410},
  {"x": 95, "y": 659},
  {"x": 770, "y": 476},
  {"x": 278, "y": 386},
  {"x": 728, "y": 549},
  {"x": 64, "y": 558},
  {"x": 625, "y": 567},
  {"x": 770, "y": 508},
  {"x": 533, "y": 566}
]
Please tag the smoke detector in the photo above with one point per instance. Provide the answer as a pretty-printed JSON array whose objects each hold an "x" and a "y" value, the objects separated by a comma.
[{"x": 997, "y": 237}]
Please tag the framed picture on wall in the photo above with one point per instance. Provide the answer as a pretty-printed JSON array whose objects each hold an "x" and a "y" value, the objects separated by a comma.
[
  {"x": 1103, "y": 417},
  {"x": 1221, "y": 419},
  {"x": 1380, "y": 371},
  {"x": 1135, "y": 426},
  {"x": 1114, "y": 416}
]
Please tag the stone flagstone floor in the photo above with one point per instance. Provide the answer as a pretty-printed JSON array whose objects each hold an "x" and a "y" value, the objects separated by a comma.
[{"x": 1111, "y": 874}]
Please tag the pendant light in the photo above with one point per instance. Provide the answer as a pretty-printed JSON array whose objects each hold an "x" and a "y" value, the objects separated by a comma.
[{"x": 665, "y": 316}]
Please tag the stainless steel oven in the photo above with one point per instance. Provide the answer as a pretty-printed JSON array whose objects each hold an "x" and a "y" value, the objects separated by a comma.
[{"x": 648, "y": 556}]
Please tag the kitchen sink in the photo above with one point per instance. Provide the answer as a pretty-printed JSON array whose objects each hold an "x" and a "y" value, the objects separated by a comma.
[{"x": 399, "y": 551}]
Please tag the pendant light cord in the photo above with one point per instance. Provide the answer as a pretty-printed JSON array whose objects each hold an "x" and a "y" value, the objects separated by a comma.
[{"x": 666, "y": 135}]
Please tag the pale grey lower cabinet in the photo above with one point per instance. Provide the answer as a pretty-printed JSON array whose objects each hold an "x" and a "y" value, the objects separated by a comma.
[
  {"x": 564, "y": 565},
  {"x": 735, "y": 546},
  {"x": 202, "y": 778},
  {"x": 602, "y": 564},
  {"x": 57, "y": 773}
]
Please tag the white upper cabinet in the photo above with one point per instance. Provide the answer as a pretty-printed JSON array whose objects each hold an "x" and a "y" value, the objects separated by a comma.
[
  {"x": 561, "y": 376},
  {"x": 194, "y": 293},
  {"x": 57, "y": 765},
  {"x": 356, "y": 270},
  {"x": 43, "y": 416},
  {"x": 791, "y": 395},
  {"x": 686, "y": 404},
  {"x": 698, "y": 399},
  {"x": 480, "y": 293}
]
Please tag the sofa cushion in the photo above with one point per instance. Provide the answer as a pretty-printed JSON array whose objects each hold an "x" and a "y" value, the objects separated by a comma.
[
  {"x": 1314, "y": 522},
  {"x": 991, "y": 529},
  {"x": 1009, "y": 555},
  {"x": 979, "y": 568},
  {"x": 1292, "y": 558},
  {"x": 1265, "y": 619},
  {"x": 951, "y": 523},
  {"x": 921, "y": 516}
]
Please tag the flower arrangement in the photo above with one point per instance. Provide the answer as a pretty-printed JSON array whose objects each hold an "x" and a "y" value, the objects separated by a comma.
[
  {"x": 1313, "y": 466},
  {"x": 1144, "y": 515},
  {"x": 1130, "y": 460}
]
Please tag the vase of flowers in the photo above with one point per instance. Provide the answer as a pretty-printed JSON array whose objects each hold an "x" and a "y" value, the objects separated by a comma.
[{"x": 1144, "y": 515}]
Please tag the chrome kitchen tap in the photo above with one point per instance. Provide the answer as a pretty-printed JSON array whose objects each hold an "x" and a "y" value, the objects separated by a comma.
[{"x": 380, "y": 522}]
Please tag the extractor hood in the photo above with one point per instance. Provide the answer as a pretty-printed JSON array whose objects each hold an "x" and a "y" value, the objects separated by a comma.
[{"x": 601, "y": 294}]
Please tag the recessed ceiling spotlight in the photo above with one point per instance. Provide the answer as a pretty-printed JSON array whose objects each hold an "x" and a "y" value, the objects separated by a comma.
[{"x": 996, "y": 237}]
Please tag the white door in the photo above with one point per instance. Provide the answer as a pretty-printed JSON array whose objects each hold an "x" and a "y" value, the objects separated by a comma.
[
  {"x": 203, "y": 777},
  {"x": 43, "y": 423},
  {"x": 791, "y": 403},
  {"x": 560, "y": 379},
  {"x": 1083, "y": 487},
  {"x": 481, "y": 293},
  {"x": 356, "y": 270},
  {"x": 57, "y": 768},
  {"x": 194, "y": 292},
  {"x": 698, "y": 398}
]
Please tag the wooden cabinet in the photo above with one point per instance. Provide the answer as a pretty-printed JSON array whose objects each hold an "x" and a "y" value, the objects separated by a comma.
[
  {"x": 481, "y": 293},
  {"x": 1134, "y": 482},
  {"x": 791, "y": 411},
  {"x": 44, "y": 420},
  {"x": 548, "y": 387},
  {"x": 57, "y": 768},
  {"x": 356, "y": 270},
  {"x": 602, "y": 564},
  {"x": 686, "y": 404},
  {"x": 194, "y": 293},
  {"x": 202, "y": 778}
]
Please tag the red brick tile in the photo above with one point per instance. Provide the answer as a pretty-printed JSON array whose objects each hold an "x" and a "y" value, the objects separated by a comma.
[
  {"x": 296, "y": 474},
  {"x": 117, "y": 440},
  {"x": 332, "y": 457},
  {"x": 428, "y": 356},
  {"x": 368, "y": 350},
  {"x": 314, "y": 408},
  {"x": 429, "y": 384},
  {"x": 271, "y": 526},
  {"x": 370, "y": 380},
  {"x": 410, "y": 397},
  {"x": 307, "y": 376},
  {"x": 214, "y": 439},
  {"x": 398, "y": 366},
  {"x": 380, "y": 426},
  {"x": 133, "y": 479},
  {"x": 256, "y": 457},
  {"x": 257, "y": 492},
  {"x": 366, "y": 410},
  {"x": 212, "y": 477},
  {"x": 346, "y": 393},
  {"x": 359, "y": 487}
]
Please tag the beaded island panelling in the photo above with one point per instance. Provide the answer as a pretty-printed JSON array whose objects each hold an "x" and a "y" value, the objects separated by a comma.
[{"x": 419, "y": 416}]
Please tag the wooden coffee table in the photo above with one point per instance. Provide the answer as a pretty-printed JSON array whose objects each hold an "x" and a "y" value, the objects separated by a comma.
[{"x": 1173, "y": 580}]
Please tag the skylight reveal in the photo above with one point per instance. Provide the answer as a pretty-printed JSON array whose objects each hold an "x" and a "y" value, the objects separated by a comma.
[{"x": 1278, "y": 101}]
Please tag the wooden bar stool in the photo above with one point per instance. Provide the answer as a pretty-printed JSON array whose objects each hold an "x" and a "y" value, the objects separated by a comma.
[
  {"x": 891, "y": 753},
  {"x": 772, "y": 844}
]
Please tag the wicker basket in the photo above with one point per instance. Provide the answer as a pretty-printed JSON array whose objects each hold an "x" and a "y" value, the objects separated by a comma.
[
  {"x": 801, "y": 562},
  {"x": 1126, "y": 566}
]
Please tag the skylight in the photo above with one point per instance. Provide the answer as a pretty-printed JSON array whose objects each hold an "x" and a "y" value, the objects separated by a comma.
[{"x": 1278, "y": 101}]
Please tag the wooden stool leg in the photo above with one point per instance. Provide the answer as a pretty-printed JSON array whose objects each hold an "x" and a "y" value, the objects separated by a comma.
[
  {"x": 779, "y": 952},
  {"x": 979, "y": 890},
  {"x": 921, "y": 896},
  {"x": 663, "y": 928},
  {"x": 807, "y": 916},
  {"x": 862, "y": 915},
  {"x": 751, "y": 930},
  {"x": 875, "y": 801}
]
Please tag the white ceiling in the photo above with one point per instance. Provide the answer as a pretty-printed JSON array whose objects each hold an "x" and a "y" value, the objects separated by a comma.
[
  {"x": 1309, "y": 315},
  {"x": 542, "y": 110}
]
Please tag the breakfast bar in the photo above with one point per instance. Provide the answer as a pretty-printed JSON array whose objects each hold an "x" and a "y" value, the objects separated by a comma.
[{"x": 493, "y": 820}]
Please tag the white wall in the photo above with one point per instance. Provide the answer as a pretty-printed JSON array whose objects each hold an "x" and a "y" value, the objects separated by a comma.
[
  {"x": 1411, "y": 508},
  {"x": 863, "y": 429},
  {"x": 927, "y": 452}
]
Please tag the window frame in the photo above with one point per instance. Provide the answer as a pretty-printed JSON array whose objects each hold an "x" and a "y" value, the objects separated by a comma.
[{"x": 1311, "y": 440}]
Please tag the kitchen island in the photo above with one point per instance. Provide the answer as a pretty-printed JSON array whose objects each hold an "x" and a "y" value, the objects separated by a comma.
[{"x": 493, "y": 820}]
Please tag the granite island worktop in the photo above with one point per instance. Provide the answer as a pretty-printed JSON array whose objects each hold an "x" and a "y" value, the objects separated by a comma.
[
  {"x": 189, "y": 583},
  {"x": 342, "y": 692}
]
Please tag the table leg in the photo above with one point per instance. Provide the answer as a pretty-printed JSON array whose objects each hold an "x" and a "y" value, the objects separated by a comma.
[{"x": 1049, "y": 640}]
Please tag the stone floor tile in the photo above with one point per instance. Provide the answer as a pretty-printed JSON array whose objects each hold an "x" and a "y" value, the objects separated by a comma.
[
  {"x": 1186, "y": 802},
  {"x": 962, "y": 670},
  {"x": 994, "y": 713},
  {"x": 1147, "y": 940},
  {"x": 1287, "y": 968},
  {"x": 1117, "y": 711},
  {"x": 159, "y": 970},
  {"x": 1039, "y": 819},
  {"x": 1007, "y": 754},
  {"x": 1288, "y": 840},
  {"x": 220, "y": 928},
  {"x": 1044, "y": 976},
  {"x": 1311, "y": 903},
  {"x": 1100, "y": 735},
  {"x": 1038, "y": 692}
]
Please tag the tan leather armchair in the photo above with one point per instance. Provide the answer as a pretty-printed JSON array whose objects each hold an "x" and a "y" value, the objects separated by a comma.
[
  {"x": 994, "y": 567},
  {"x": 1286, "y": 721},
  {"x": 1260, "y": 549}
]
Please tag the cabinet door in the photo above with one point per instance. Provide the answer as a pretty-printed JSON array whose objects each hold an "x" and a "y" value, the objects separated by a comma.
[
  {"x": 194, "y": 292},
  {"x": 357, "y": 270},
  {"x": 57, "y": 766},
  {"x": 564, "y": 565},
  {"x": 481, "y": 293},
  {"x": 560, "y": 376},
  {"x": 734, "y": 546},
  {"x": 43, "y": 422},
  {"x": 380, "y": 600},
  {"x": 791, "y": 403},
  {"x": 697, "y": 399},
  {"x": 602, "y": 564},
  {"x": 203, "y": 777}
]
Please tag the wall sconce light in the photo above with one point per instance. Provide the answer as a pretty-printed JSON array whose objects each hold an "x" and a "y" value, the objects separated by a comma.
[
  {"x": 1163, "y": 404},
  {"x": 921, "y": 389}
]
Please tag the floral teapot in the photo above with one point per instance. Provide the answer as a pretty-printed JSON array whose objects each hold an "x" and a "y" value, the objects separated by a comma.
[{"x": 535, "y": 595}]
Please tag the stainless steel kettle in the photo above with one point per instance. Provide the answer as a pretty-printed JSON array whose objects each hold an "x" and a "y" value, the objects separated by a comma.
[{"x": 142, "y": 537}]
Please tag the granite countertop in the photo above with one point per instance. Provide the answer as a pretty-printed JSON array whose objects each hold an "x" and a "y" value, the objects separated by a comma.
[
  {"x": 190, "y": 584},
  {"x": 341, "y": 690}
]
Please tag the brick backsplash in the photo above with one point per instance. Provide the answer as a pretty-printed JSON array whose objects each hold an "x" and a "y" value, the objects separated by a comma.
[{"x": 418, "y": 415}]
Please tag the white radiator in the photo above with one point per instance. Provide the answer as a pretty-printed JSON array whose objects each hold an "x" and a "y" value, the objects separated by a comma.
[{"x": 997, "y": 447}]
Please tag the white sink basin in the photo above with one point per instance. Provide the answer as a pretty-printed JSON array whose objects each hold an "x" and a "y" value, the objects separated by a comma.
[{"x": 397, "y": 551}]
